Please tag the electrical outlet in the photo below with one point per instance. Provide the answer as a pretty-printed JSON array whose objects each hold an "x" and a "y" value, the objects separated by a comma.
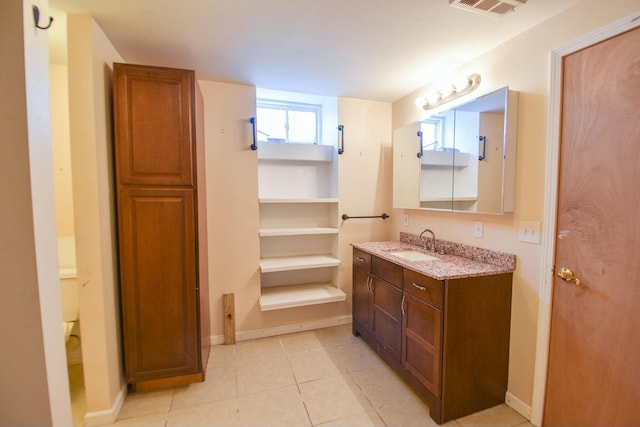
[
  {"x": 529, "y": 232},
  {"x": 477, "y": 229},
  {"x": 405, "y": 219}
]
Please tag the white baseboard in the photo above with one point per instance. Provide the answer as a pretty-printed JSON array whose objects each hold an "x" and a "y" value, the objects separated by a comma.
[
  {"x": 518, "y": 405},
  {"x": 107, "y": 416},
  {"x": 284, "y": 329}
]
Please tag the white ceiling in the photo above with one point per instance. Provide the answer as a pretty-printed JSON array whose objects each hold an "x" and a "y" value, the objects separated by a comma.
[{"x": 371, "y": 49}]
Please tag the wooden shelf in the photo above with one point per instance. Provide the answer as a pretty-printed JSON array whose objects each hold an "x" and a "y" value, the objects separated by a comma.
[
  {"x": 296, "y": 231},
  {"x": 270, "y": 265},
  {"x": 280, "y": 297}
]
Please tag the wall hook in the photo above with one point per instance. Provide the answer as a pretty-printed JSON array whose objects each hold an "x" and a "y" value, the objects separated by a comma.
[{"x": 36, "y": 18}]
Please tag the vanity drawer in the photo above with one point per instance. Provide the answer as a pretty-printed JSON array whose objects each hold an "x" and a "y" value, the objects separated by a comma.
[
  {"x": 387, "y": 271},
  {"x": 362, "y": 259},
  {"x": 423, "y": 287}
]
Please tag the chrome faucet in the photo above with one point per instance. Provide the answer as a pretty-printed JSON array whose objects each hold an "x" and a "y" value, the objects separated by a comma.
[{"x": 433, "y": 240}]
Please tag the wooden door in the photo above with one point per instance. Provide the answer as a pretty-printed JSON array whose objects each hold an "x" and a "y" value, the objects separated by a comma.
[
  {"x": 158, "y": 270},
  {"x": 362, "y": 299},
  {"x": 153, "y": 108},
  {"x": 421, "y": 339},
  {"x": 594, "y": 350},
  {"x": 387, "y": 318}
]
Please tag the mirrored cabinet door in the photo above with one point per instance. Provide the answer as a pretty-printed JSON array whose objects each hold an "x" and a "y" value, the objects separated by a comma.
[
  {"x": 406, "y": 167},
  {"x": 467, "y": 161}
]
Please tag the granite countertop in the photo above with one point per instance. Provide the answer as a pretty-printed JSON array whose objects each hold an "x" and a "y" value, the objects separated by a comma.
[{"x": 460, "y": 261}]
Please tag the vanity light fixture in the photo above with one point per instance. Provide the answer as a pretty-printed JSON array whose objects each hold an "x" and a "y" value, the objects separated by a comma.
[{"x": 449, "y": 93}]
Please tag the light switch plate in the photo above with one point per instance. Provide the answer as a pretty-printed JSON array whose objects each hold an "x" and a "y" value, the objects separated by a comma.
[
  {"x": 477, "y": 229},
  {"x": 529, "y": 232},
  {"x": 405, "y": 219}
]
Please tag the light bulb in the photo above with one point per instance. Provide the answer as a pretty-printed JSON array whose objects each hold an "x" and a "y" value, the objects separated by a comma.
[
  {"x": 462, "y": 83},
  {"x": 434, "y": 97},
  {"x": 447, "y": 90}
]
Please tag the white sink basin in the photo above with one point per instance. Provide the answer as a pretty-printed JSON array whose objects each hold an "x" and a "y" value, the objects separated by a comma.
[{"x": 410, "y": 255}]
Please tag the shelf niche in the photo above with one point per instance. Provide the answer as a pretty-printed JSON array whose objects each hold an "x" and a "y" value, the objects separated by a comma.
[{"x": 298, "y": 225}]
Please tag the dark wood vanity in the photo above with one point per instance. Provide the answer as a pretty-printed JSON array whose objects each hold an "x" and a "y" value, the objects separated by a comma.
[{"x": 448, "y": 339}]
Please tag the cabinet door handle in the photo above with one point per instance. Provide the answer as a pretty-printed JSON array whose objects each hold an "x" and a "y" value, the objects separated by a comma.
[
  {"x": 402, "y": 305},
  {"x": 422, "y": 288},
  {"x": 370, "y": 284}
]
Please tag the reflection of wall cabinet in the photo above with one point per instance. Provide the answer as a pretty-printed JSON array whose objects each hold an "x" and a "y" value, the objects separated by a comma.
[
  {"x": 161, "y": 226},
  {"x": 298, "y": 225},
  {"x": 449, "y": 339}
]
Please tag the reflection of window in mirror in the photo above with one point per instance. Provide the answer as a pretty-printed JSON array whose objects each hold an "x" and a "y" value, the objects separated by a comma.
[{"x": 432, "y": 133}]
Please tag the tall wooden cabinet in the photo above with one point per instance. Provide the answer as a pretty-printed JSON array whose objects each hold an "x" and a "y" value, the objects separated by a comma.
[{"x": 160, "y": 194}]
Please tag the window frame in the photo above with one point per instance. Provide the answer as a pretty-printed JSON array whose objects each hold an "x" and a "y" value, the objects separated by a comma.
[
  {"x": 438, "y": 133},
  {"x": 288, "y": 106}
]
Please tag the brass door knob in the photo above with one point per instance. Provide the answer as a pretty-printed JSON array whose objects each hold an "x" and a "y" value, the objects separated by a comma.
[{"x": 567, "y": 275}]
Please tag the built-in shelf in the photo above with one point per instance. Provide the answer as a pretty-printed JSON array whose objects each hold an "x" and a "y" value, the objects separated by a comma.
[
  {"x": 296, "y": 231},
  {"x": 445, "y": 159},
  {"x": 275, "y": 151},
  {"x": 304, "y": 200},
  {"x": 298, "y": 217},
  {"x": 449, "y": 199},
  {"x": 289, "y": 263},
  {"x": 281, "y": 297}
]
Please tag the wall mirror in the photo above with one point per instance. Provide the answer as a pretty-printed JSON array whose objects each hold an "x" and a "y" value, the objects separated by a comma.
[{"x": 461, "y": 159}]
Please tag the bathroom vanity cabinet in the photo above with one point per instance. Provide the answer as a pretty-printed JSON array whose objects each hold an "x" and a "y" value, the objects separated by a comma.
[
  {"x": 449, "y": 339},
  {"x": 161, "y": 220}
]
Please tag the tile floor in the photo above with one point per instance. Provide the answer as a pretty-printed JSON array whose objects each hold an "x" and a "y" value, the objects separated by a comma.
[
  {"x": 76, "y": 380},
  {"x": 325, "y": 377}
]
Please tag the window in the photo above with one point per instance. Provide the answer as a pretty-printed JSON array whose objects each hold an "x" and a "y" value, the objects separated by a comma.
[
  {"x": 432, "y": 133},
  {"x": 284, "y": 121}
]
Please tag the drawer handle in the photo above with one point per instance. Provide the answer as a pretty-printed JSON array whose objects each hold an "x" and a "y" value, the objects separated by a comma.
[
  {"x": 359, "y": 258},
  {"x": 422, "y": 288}
]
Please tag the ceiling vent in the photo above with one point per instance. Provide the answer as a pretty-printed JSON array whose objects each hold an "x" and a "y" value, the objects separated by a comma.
[{"x": 488, "y": 7}]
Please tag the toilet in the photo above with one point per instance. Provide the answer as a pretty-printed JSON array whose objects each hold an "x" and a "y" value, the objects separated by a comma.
[{"x": 68, "y": 284}]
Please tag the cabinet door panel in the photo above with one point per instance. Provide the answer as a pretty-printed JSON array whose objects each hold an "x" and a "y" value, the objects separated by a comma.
[
  {"x": 158, "y": 282},
  {"x": 154, "y": 125},
  {"x": 422, "y": 336},
  {"x": 387, "y": 316},
  {"x": 362, "y": 299}
]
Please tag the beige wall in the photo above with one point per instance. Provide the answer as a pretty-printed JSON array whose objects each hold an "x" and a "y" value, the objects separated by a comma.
[
  {"x": 232, "y": 192},
  {"x": 58, "y": 77},
  {"x": 523, "y": 65},
  {"x": 91, "y": 56},
  {"x": 34, "y": 387},
  {"x": 365, "y": 175}
]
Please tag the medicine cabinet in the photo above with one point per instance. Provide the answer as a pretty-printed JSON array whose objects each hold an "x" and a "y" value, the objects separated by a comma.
[{"x": 461, "y": 159}]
